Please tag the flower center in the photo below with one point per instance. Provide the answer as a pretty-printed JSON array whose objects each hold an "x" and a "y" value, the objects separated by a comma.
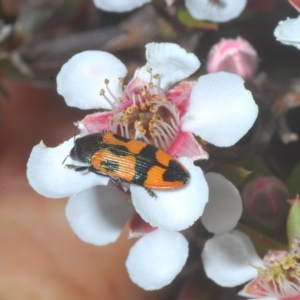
[
  {"x": 143, "y": 111},
  {"x": 281, "y": 277},
  {"x": 219, "y": 3}
]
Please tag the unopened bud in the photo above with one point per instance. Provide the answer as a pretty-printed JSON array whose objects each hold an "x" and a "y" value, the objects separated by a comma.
[
  {"x": 266, "y": 197},
  {"x": 233, "y": 56}
]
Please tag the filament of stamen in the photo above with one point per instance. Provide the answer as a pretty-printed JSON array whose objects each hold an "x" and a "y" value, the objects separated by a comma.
[
  {"x": 102, "y": 93},
  {"x": 149, "y": 70},
  {"x": 106, "y": 81},
  {"x": 169, "y": 129},
  {"x": 122, "y": 130},
  {"x": 174, "y": 125},
  {"x": 161, "y": 141},
  {"x": 155, "y": 142},
  {"x": 164, "y": 137},
  {"x": 157, "y": 77},
  {"x": 126, "y": 131}
]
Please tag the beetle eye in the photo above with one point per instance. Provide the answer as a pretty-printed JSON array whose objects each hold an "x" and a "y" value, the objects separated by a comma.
[{"x": 72, "y": 153}]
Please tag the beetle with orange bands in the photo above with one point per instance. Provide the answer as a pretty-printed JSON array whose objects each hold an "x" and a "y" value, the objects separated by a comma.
[{"x": 127, "y": 160}]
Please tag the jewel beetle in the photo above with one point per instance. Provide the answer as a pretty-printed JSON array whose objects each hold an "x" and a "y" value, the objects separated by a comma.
[{"x": 128, "y": 160}]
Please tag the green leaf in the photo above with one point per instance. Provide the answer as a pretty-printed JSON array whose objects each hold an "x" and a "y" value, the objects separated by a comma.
[
  {"x": 31, "y": 18},
  {"x": 293, "y": 221},
  {"x": 186, "y": 19},
  {"x": 235, "y": 174},
  {"x": 261, "y": 242},
  {"x": 293, "y": 182},
  {"x": 258, "y": 166}
]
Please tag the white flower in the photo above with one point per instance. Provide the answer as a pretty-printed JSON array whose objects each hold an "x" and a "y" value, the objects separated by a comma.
[
  {"x": 217, "y": 107},
  {"x": 217, "y": 11},
  {"x": 230, "y": 259},
  {"x": 288, "y": 32}
]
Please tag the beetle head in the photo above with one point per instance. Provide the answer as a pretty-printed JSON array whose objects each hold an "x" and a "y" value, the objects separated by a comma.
[{"x": 86, "y": 146}]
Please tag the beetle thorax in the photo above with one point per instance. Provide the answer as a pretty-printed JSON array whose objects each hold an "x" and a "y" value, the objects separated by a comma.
[{"x": 144, "y": 112}]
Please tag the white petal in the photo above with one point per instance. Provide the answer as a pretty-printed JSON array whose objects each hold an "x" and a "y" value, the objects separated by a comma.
[
  {"x": 288, "y": 32},
  {"x": 221, "y": 110},
  {"x": 156, "y": 259},
  {"x": 214, "y": 11},
  {"x": 225, "y": 258},
  {"x": 99, "y": 214},
  {"x": 269, "y": 298},
  {"x": 119, "y": 5},
  {"x": 49, "y": 177},
  {"x": 5, "y": 31},
  {"x": 224, "y": 207},
  {"x": 173, "y": 209},
  {"x": 170, "y": 2},
  {"x": 81, "y": 78},
  {"x": 170, "y": 61}
]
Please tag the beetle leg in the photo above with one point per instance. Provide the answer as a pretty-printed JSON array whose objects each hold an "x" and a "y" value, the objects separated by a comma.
[
  {"x": 104, "y": 130},
  {"x": 96, "y": 171},
  {"x": 150, "y": 192},
  {"x": 77, "y": 168}
]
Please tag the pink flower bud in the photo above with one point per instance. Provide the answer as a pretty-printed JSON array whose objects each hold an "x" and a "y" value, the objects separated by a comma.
[
  {"x": 258, "y": 5},
  {"x": 266, "y": 197},
  {"x": 233, "y": 56}
]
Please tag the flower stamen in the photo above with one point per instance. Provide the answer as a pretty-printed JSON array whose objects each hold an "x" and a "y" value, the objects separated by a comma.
[
  {"x": 280, "y": 276},
  {"x": 147, "y": 111},
  {"x": 106, "y": 81},
  {"x": 102, "y": 93}
]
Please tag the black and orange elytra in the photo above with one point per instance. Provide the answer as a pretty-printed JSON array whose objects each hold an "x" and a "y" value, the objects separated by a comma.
[{"x": 127, "y": 160}]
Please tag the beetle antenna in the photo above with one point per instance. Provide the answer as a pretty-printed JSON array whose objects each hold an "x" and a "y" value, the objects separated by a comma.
[{"x": 65, "y": 159}]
